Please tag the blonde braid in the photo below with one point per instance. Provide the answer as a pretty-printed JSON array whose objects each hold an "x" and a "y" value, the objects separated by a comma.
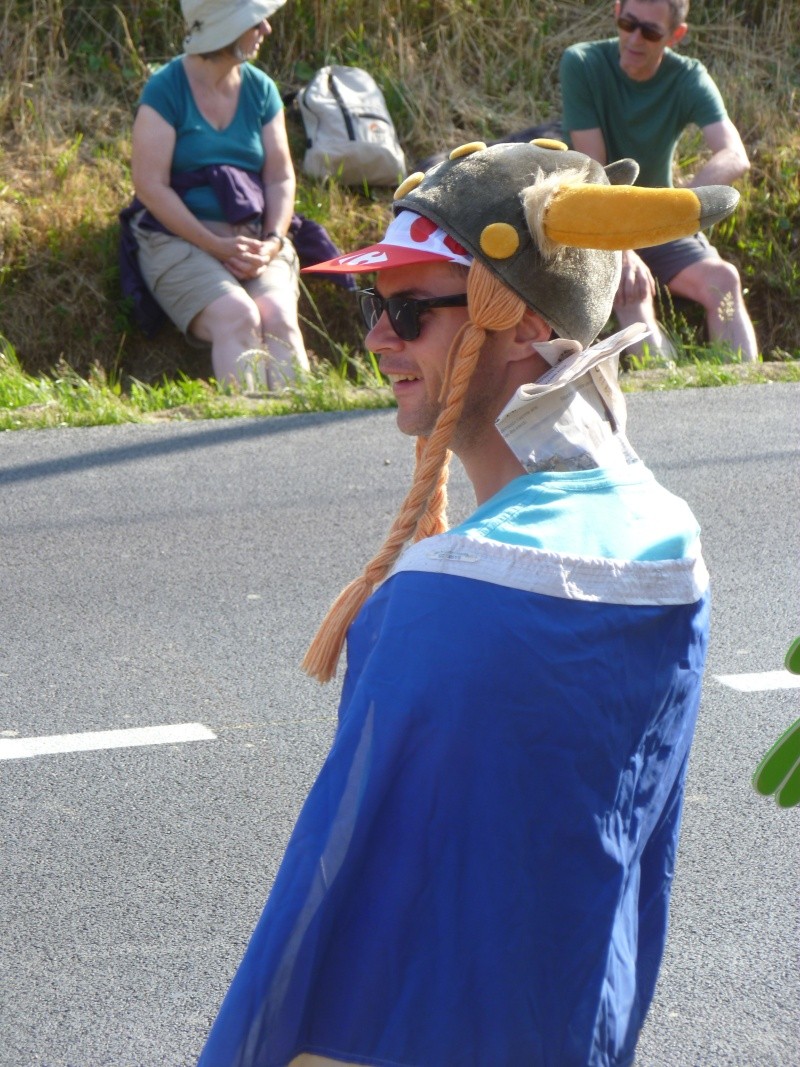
[
  {"x": 434, "y": 518},
  {"x": 492, "y": 306}
]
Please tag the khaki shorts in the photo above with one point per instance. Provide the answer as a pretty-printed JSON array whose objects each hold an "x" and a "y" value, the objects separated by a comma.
[{"x": 184, "y": 279}]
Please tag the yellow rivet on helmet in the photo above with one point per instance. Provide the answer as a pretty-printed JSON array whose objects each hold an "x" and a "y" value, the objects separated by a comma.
[
  {"x": 468, "y": 149},
  {"x": 409, "y": 183},
  {"x": 499, "y": 240},
  {"x": 550, "y": 142}
]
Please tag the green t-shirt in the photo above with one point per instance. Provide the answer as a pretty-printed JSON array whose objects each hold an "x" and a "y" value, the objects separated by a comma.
[
  {"x": 197, "y": 143},
  {"x": 640, "y": 120}
]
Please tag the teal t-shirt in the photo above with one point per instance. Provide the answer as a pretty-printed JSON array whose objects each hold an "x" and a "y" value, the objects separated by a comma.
[
  {"x": 620, "y": 513},
  {"x": 640, "y": 120},
  {"x": 197, "y": 143}
]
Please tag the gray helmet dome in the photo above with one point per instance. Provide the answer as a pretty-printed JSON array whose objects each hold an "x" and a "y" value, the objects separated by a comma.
[{"x": 477, "y": 196}]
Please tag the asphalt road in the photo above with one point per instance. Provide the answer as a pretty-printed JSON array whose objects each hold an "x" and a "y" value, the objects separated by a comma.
[{"x": 174, "y": 573}]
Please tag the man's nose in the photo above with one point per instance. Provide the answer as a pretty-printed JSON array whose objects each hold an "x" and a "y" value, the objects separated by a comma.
[{"x": 382, "y": 338}]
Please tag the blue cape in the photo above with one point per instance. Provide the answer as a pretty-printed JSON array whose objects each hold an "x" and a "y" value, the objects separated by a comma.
[{"x": 480, "y": 875}]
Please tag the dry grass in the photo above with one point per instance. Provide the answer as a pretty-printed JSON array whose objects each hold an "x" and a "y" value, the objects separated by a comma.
[{"x": 452, "y": 70}]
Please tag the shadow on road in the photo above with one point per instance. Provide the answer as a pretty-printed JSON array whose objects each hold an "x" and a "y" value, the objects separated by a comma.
[{"x": 186, "y": 440}]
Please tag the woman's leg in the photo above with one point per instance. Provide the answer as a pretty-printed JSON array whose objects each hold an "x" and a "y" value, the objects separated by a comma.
[
  {"x": 203, "y": 299},
  {"x": 232, "y": 325},
  {"x": 282, "y": 339},
  {"x": 276, "y": 292}
]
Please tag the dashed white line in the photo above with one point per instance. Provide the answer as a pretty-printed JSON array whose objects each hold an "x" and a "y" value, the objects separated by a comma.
[
  {"x": 23, "y": 747},
  {"x": 760, "y": 681}
]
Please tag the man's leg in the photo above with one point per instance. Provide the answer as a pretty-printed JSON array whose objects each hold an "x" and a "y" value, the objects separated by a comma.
[
  {"x": 657, "y": 344},
  {"x": 715, "y": 285},
  {"x": 634, "y": 302}
]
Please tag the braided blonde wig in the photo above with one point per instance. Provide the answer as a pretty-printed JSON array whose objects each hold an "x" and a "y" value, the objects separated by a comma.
[{"x": 492, "y": 306}]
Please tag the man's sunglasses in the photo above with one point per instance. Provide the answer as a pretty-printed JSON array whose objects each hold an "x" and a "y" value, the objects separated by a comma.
[
  {"x": 628, "y": 24},
  {"x": 403, "y": 311}
]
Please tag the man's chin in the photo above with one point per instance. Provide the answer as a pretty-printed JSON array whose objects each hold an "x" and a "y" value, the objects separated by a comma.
[
  {"x": 410, "y": 428},
  {"x": 415, "y": 423}
]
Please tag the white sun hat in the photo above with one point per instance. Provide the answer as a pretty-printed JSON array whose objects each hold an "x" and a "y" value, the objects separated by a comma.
[{"x": 215, "y": 24}]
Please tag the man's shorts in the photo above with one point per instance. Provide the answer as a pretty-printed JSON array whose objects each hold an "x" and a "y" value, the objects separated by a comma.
[
  {"x": 665, "y": 261},
  {"x": 184, "y": 279}
]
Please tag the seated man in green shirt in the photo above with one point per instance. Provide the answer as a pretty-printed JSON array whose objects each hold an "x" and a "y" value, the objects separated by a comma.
[{"x": 633, "y": 97}]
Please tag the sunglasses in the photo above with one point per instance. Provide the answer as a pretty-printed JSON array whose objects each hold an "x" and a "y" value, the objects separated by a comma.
[
  {"x": 628, "y": 24},
  {"x": 403, "y": 311}
]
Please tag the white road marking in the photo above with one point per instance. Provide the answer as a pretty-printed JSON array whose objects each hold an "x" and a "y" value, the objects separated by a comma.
[
  {"x": 22, "y": 747},
  {"x": 761, "y": 681}
]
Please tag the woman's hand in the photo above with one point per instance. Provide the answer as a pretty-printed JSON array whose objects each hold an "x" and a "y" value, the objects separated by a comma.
[{"x": 246, "y": 257}]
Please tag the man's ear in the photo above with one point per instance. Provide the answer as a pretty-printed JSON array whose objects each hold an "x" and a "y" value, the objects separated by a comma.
[
  {"x": 530, "y": 328},
  {"x": 678, "y": 33}
]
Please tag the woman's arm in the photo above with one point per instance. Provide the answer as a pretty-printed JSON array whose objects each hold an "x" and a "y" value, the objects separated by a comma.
[{"x": 279, "y": 178}]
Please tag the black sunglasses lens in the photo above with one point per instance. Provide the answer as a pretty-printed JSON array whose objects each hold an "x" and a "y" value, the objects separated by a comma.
[
  {"x": 371, "y": 307},
  {"x": 401, "y": 311},
  {"x": 628, "y": 24},
  {"x": 403, "y": 317}
]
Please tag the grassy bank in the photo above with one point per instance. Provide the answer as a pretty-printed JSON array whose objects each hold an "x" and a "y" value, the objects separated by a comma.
[
  {"x": 452, "y": 70},
  {"x": 65, "y": 398}
]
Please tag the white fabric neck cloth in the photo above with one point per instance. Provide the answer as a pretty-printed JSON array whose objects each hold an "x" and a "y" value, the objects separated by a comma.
[{"x": 574, "y": 416}]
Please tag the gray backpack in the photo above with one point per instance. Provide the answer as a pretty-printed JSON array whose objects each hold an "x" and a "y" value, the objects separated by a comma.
[{"x": 350, "y": 135}]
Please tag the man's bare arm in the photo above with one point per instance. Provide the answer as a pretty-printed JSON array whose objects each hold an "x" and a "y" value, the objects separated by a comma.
[
  {"x": 591, "y": 143},
  {"x": 729, "y": 157}
]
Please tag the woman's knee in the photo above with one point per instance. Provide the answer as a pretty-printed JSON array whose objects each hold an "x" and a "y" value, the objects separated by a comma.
[
  {"x": 277, "y": 313},
  {"x": 234, "y": 313}
]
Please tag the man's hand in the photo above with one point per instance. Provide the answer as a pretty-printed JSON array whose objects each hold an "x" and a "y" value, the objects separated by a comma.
[{"x": 636, "y": 283}]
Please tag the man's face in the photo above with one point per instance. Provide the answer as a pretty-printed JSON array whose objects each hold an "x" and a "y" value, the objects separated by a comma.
[
  {"x": 416, "y": 368},
  {"x": 638, "y": 57}
]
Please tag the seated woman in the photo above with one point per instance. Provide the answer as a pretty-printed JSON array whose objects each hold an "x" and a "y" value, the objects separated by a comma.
[{"x": 214, "y": 178}]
